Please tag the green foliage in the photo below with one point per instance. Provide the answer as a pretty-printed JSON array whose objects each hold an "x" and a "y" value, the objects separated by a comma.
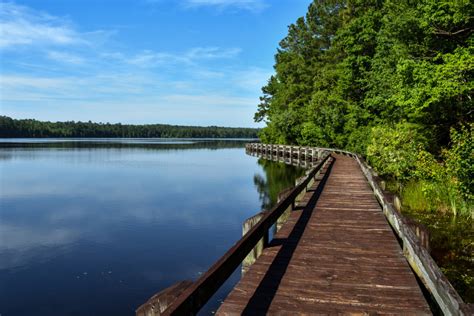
[
  {"x": 427, "y": 168},
  {"x": 394, "y": 151},
  {"x": 460, "y": 160},
  {"x": 32, "y": 128},
  {"x": 399, "y": 152}
]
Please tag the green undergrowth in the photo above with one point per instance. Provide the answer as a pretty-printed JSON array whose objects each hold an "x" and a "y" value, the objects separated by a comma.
[
  {"x": 440, "y": 181},
  {"x": 451, "y": 234},
  {"x": 452, "y": 246},
  {"x": 437, "y": 197}
]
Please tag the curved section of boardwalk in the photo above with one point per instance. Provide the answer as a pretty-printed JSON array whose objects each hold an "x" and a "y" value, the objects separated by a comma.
[{"x": 337, "y": 254}]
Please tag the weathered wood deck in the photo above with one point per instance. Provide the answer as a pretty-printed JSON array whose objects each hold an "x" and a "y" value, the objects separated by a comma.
[{"x": 337, "y": 254}]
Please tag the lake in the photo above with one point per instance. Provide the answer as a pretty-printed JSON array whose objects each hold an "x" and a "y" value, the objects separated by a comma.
[{"x": 97, "y": 226}]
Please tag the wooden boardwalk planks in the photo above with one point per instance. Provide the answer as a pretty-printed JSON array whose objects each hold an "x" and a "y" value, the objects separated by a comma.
[{"x": 336, "y": 255}]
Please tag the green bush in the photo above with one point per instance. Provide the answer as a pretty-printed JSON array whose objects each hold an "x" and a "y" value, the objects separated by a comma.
[
  {"x": 393, "y": 151},
  {"x": 446, "y": 186},
  {"x": 459, "y": 160}
]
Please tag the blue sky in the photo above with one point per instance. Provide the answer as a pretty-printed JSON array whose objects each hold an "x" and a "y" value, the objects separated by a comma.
[{"x": 191, "y": 62}]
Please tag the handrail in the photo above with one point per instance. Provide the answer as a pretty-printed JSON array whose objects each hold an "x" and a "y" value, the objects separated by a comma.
[
  {"x": 196, "y": 295},
  {"x": 417, "y": 256}
]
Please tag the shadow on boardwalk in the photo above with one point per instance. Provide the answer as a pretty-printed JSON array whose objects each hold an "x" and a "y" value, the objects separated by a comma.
[{"x": 268, "y": 287}]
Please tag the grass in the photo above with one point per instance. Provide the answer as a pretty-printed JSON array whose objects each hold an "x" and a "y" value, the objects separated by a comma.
[
  {"x": 436, "y": 197},
  {"x": 414, "y": 198}
]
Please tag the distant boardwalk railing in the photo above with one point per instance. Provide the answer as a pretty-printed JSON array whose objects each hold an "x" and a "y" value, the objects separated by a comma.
[
  {"x": 293, "y": 155},
  {"x": 190, "y": 297}
]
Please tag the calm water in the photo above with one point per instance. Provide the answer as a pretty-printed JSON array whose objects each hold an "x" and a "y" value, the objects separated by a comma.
[{"x": 97, "y": 227}]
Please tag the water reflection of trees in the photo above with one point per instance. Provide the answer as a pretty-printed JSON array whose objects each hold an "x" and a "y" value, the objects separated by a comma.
[
  {"x": 278, "y": 176},
  {"x": 177, "y": 144}
]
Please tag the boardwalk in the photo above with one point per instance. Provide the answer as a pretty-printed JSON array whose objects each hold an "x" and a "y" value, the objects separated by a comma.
[{"x": 336, "y": 254}]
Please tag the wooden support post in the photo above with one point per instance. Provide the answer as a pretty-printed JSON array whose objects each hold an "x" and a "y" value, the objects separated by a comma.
[
  {"x": 248, "y": 224},
  {"x": 159, "y": 302}
]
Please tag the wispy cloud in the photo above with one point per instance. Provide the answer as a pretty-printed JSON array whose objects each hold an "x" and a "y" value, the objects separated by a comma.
[
  {"x": 20, "y": 25},
  {"x": 250, "y": 5},
  {"x": 148, "y": 58},
  {"x": 252, "y": 79},
  {"x": 65, "y": 57},
  {"x": 12, "y": 82},
  {"x": 211, "y": 53}
]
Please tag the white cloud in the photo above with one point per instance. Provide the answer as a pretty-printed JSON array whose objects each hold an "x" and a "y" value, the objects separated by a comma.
[
  {"x": 98, "y": 86},
  {"x": 8, "y": 82},
  {"x": 208, "y": 100},
  {"x": 20, "y": 25},
  {"x": 64, "y": 57},
  {"x": 212, "y": 53},
  {"x": 252, "y": 79},
  {"x": 148, "y": 58},
  {"x": 251, "y": 5},
  {"x": 110, "y": 87}
]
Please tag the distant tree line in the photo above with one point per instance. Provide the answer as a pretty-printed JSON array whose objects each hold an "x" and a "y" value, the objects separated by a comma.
[{"x": 32, "y": 128}]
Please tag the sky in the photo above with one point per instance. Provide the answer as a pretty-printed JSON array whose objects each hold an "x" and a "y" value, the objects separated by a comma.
[{"x": 188, "y": 62}]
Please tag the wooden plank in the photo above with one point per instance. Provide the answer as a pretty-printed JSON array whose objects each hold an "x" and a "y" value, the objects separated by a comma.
[{"x": 328, "y": 258}]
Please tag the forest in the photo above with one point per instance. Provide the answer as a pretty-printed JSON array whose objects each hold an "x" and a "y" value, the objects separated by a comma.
[
  {"x": 391, "y": 80},
  {"x": 32, "y": 128}
]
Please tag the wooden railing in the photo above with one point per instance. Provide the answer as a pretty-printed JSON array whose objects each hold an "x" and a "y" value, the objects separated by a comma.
[
  {"x": 418, "y": 256},
  {"x": 196, "y": 295}
]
